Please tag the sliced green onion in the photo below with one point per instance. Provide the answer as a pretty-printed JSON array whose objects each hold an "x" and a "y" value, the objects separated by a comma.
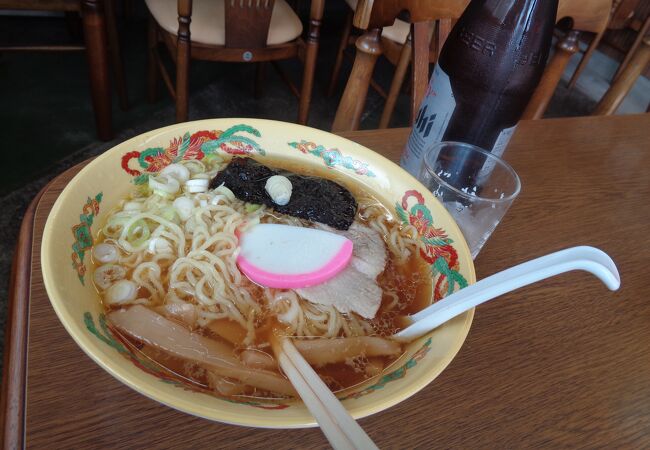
[
  {"x": 194, "y": 166},
  {"x": 169, "y": 213},
  {"x": 116, "y": 222},
  {"x": 138, "y": 233},
  {"x": 105, "y": 253},
  {"x": 223, "y": 190},
  {"x": 184, "y": 207},
  {"x": 123, "y": 291},
  {"x": 213, "y": 159},
  {"x": 164, "y": 184},
  {"x": 177, "y": 171},
  {"x": 159, "y": 245},
  {"x": 251, "y": 207},
  {"x": 107, "y": 274},
  {"x": 133, "y": 206},
  {"x": 162, "y": 194},
  {"x": 197, "y": 185}
]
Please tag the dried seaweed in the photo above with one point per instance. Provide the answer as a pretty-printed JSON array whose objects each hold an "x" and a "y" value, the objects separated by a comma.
[{"x": 313, "y": 198}]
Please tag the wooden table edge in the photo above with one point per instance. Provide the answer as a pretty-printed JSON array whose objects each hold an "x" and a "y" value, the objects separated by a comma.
[
  {"x": 14, "y": 376},
  {"x": 12, "y": 396}
]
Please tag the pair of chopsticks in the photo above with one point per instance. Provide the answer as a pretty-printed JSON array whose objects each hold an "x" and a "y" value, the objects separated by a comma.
[{"x": 340, "y": 429}]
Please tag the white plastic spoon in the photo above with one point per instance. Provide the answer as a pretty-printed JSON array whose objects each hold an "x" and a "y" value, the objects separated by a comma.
[{"x": 589, "y": 259}]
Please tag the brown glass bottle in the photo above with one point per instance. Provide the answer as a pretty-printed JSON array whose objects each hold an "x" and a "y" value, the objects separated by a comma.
[{"x": 487, "y": 72}]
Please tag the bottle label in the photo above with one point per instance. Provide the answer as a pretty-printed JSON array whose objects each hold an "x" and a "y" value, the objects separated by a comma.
[
  {"x": 502, "y": 141},
  {"x": 431, "y": 122}
]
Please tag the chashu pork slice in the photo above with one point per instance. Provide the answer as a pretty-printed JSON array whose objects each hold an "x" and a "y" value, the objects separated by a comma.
[
  {"x": 349, "y": 291},
  {"x": 369, "y": 251}
]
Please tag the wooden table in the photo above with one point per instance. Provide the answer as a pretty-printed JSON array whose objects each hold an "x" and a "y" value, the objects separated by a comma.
[{"x": 561, "y": 363}]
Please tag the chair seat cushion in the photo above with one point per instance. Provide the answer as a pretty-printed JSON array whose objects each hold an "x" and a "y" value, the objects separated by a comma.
[
  {"x": 208, "y": 24},
  {"x": 398, "y": 32}
]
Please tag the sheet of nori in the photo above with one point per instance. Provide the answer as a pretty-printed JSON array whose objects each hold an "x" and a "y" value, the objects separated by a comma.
[{"x": 312, "y": 198}]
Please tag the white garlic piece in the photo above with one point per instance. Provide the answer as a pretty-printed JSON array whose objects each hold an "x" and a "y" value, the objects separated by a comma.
[
  {"x": 197, "y": 185},
  {"x": 133, "y": 206},
  {"x": 165, "y": 184},
  {"x": 279, "y": 189},
  {"x": 178, "y": 171},
  {"x": 159, "y": 245},
  {"x": 106, "y": 275},
  {"x": 105, "y": 253},
  {"x": 124, "y": 291},
  {"x": 184, "y": 207}
]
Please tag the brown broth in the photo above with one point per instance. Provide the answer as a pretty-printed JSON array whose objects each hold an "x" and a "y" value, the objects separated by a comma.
[{"x": 412, "y": 280}]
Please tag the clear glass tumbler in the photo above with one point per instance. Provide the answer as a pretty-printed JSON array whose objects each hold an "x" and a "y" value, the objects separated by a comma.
[{"x": 475, "y": 186}]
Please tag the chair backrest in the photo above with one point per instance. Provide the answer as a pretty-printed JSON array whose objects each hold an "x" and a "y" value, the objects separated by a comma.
[
  {"x": 622, "y": 13},
  {"x": 247, "y": 22},
  {"x": 586, "y": 15}
]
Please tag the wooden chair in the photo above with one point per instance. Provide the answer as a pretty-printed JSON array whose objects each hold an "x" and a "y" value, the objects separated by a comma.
[
  {"x": 624, "y": 82},
  {"x": 251, "y": 31},
  {"x": 397, "y": 47},
  {"x": 623, "y": 16},
  {"x": 101, "y": 40},
  {"x": 396, "y": 34},
  {"x": 586, "y": 15}
]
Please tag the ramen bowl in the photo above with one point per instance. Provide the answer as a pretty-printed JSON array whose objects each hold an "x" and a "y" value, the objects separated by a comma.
[{"x": 82, "y": 207}]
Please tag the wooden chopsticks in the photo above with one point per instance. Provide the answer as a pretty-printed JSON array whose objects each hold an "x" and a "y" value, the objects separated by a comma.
[{"x": 342, "y": 431}]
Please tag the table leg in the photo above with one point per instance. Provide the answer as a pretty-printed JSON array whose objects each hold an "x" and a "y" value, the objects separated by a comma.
[
  {"x": 94, "y": 25},
  {"x": 348, "y": 114}
]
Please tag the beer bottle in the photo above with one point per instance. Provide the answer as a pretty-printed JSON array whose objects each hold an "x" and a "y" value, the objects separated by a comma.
[{"x": 487, "y": 72}]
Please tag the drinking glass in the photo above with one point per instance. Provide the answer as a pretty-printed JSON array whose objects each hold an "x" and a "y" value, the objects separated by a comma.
[{"x": 475, "y": 186}]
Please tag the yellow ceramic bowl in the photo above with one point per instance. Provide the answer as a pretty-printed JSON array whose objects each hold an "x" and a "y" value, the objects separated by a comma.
[{"x": 81, "y": 209}]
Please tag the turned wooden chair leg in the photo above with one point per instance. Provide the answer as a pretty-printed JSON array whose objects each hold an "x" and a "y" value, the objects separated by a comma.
[
  {"x": 115, "y": 54},
  {"x": 421, "y": 33},
  {"x": 313, "y": 37},
  {"x": 94, "y": 26},
  {"x": 565, "y": 48},
  {"x": 347, "y": 29},
  {"x": 444, "y": 30},
  {"x": 637, "y": 41},
  {"x": 585, "y": 58},
  {"x": 396, "y": 84},
  {"x": 348, "y": 113},
  {"x": 619, "y": 89},
  {"x": 183, "y": 60},
  {"x": 152, "y": 60}
]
